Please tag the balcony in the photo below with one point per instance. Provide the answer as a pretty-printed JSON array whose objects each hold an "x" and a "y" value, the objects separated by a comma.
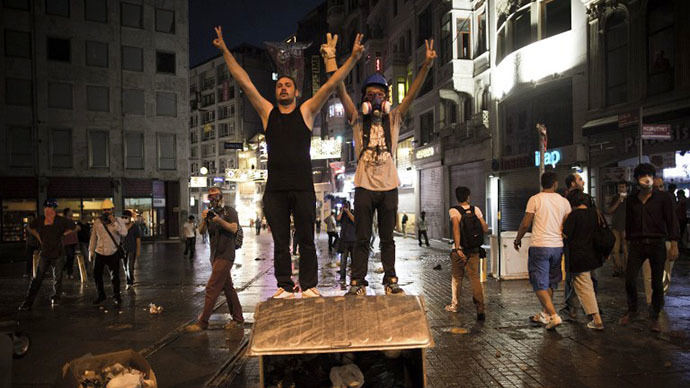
[{"x": 480, "y": 120}]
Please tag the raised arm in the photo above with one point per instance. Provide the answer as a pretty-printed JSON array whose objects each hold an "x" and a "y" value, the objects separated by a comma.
[
  {"x": 419, "y": 80},
  {"x": 328, "y": 54},
  {"x": 262, "y": 106}
]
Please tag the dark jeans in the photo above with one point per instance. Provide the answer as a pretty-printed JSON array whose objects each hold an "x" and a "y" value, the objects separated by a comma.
[
  {"x": 347, "y": 250},
  {"x": 426, "y": 238},
  {"x": 278, "y": 205},
  {"x": 332, "y": 240},
  {"x": 70, "y": 252},
  {"x": 221, "y": 281},
  {"x": 190, "y": 246},
  {"x": 113, "y": 263},
  {"x": 385, "y": 203},
  {"x": 258, "y": 229},
  {"x": 128, "y": 265},
  {"x": 43, "y": 263},
  {"x": 638, "y": 252}
]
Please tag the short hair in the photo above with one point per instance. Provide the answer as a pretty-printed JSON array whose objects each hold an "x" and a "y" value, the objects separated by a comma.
[
  {"x": 462, "y": 193},
  {"x": 577, "y": 197},
  {"x": 623, "y": 183},
  {"x": 215, "y": 188},
  {"x": 281, "y": 76},
  {"x": 548, "y": 179},
  {"x": 65, "y": 211},
  {"x": 569, "y": 180},
  {"x": 672, "y": 187},
  {"x": 191, "y": 218},
  {"x": 681, "y": 193},
  {"x": 644, "y": 169}
]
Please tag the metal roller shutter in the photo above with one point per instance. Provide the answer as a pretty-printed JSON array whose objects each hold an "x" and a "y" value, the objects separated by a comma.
[
  {"x": 431, "y": 200},
  {"x": 470, "y": 175},
  {"x": 406, "y": 201},
  {"x": 515, "y": 188}
]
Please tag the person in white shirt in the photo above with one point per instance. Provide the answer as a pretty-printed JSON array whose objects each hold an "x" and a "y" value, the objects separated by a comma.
[
  {"x": 546, "y": 212},
  {"x": 189, "y": 229},
  {"x": 104, "y": 250}
]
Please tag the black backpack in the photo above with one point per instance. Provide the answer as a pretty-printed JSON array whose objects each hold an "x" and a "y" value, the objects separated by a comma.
[
  {"x": 603, "y": 238},
  {"x": 471, "y": 232}
]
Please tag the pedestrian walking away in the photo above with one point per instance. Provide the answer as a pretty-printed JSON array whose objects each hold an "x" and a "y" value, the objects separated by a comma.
[
  {"x": 317, "y": 223},
  {"x": 347, "y": 239},
  {"x": 105, "y": 250},
  {"x": 375, "y": 131},
  {"x": 421, "y": 229},
  {"x": 222, "y": 223},
  {"x": 617, "y": 211},
  {"x": 290, "y": 186},
  {"x": 70, "y": 241},
  {"x": 545, "y": 212},
  {"x": 404, "y": 224},
  {"x": 257, "y": 225},
  {"x": 650, "y": 220},
  {"x": 332, "y": 231},
  {"x": 132, "y": 247},
  {"x": 469, "y": 228},
  {"x": 189, "y": 230},
  {"x": 49, "y": 230}
]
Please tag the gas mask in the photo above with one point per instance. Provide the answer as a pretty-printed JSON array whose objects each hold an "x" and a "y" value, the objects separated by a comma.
[
  {"x": 376, "y": 107},
  {"x": 215, "y": 200},
  {"x": 646, "y": 182}
]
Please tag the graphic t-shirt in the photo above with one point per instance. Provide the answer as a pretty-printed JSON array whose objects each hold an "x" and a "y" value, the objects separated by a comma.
[{"x": 376, "y": 171}]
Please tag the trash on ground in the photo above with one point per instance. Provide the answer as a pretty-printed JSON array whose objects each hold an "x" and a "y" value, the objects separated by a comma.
[
  {"x": 153, "y": 309},
  {"x": 346, "y": 376},
  {"x": 458, "y": 330},
  {"x": 124, "y": 369}
]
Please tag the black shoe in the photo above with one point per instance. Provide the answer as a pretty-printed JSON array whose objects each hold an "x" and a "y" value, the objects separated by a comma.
[
  {"x": 54, "y": 300},
  {"x": 25, "y": 306},
  {"x": 481, "y": 316},
  {"x": 98, "y": 300}
]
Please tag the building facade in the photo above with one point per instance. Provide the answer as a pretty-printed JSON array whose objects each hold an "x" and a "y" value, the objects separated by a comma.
[{"x": 93, "y": 107}]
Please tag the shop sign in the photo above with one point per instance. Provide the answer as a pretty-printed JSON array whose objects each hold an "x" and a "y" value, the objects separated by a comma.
[
  {"x": 159, "y": 202},
  {"x": 424, "y": 153},
  {"x": 628, "y": 118},
  {"x": 245, "y": 175},
  {"x": 550, "y": 158},
  {"x": 218, "y": 179},
  {"x": 663, "y": 160},
  {"x": 679, "y": 131},
  {"x": 197, "y": 181},
  {"x": 656, "y": 132},
  {"x": 325, "y": 148},
  {"x": 515, "y": 162},
  {"x": 232, "y": 146}
]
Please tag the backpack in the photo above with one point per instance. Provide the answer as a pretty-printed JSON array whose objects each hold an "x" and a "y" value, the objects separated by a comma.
[
  {"x": 603, "y": 238},
  {"x": 471, "y": 232}
]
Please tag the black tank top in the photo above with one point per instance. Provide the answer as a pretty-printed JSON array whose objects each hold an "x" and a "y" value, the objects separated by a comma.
[{"x": 288, "y": 141}]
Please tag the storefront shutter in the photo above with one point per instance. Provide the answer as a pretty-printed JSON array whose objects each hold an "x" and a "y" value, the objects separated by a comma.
[{"x": 431, "y": 200}]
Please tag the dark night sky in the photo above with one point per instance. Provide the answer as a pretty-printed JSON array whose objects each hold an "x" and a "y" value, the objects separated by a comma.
[{"x": 250, "y": 21}]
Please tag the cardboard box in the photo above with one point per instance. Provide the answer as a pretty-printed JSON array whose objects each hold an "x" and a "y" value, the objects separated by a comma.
[{"x": 71, "y": 372}]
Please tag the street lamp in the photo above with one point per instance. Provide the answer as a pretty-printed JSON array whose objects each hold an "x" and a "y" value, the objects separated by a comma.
[{"x": 203, "y": 170}]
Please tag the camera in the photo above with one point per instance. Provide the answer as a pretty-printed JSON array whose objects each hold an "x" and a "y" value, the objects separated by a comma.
[{"x": 211, "y": 214}]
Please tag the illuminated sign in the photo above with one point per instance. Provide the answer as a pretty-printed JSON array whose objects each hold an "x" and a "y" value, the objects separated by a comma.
[
  {"x": 424, "y": 153},
  {"x": 197, "y": 181},
  {"x": 245, "y": 175},
  {"x": 550, "y": 158},
  {"x": 325, "y": 148},
  {"x": 218, "y": 180}
]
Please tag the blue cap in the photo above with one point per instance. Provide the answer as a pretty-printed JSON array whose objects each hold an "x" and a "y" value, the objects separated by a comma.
[
  {"x": 375, "y": 79},
  {"x": 50, "y": 202}
]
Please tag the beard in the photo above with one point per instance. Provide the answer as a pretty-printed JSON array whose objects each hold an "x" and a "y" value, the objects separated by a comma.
[{"x": 286, "y": 100}]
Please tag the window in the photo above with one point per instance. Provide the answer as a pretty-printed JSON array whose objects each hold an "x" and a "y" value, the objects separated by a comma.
[
  {"x": 17, "y": 44},
  {"x": 616, "y": 41},
  {"x": 208, "y": 99},
  {"x": 131, "y": 15},
  {"x": 555, "y": 17},
  {"x": 522, "y": 29},
  {"x": 426, "y": 127},
  {"x": 464, "y": 39},
  {"x": 61, "y": 148},
  {"x": 401, "y": 89},
  {"x": 501, "y": 48},
  {"x": 96, "y": 11},
  {"x": 166, "y": 104},
  {"x": 133, "y": 102},
  {"x": 18, "y": 91},
  {"x": 19, "y": 142},
  {"x": 134, "y": 151},
  {"x": 16, "y": 4},
  {"x": 96, "y": 54},
  {"x": 446, "y": 41},
  {"x": 336, "y": 110},
  {"x": 166, "y": 151},
  {"x": 98, "y": 149},
  {"x": 424, "y": 22},
  {"x": 59, "y": 49},
  {"x": 194, "y": 153},
  {"x": 57, "y": 7},
  {"x": 98, "y": 98},
  {"x": 132, "y": 58},
  {"x": 467, "y": 109},
  {"x": 60, "y": 95},
  {"x": 451, "y": 112},
  {"x": 165, "y": 62},
  {"x": 193, "y": 137},
  {"x": 660, "y": 44},
  {"x": 481, "y": 34},
  {"x": 165, "y": 21}
]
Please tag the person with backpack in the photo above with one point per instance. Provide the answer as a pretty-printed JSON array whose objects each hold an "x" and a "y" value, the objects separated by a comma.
[{"x": 468, "y": 236}]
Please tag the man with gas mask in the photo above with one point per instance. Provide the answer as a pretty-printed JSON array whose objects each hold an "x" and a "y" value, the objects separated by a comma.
[
  {"x": 222, "y": 223},
  {"x": 49, "y": 229},
  {"x": 649, "y": 221},
  {"x": 107, "y": 234},
  {"x": 290, "y": 187},
  {"x": 375, "y": 132}
]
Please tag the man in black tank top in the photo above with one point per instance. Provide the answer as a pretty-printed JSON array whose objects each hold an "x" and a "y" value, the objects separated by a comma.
[{"x": 290, "y": 189}]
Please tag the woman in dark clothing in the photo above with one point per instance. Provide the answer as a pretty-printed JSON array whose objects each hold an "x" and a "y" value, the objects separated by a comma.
[{"x": 578, "y": 229}]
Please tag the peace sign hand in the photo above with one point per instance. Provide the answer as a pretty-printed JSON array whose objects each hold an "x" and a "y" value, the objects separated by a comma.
[
  {"x": 358, "y": 48},
  {"x": 219, "y": 42},
  {"x": 430, "y": 53},
  {"x": 328, "y": 49}
]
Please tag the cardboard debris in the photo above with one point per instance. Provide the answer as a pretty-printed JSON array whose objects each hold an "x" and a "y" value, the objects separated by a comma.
[{"x": 123, "y": 369}]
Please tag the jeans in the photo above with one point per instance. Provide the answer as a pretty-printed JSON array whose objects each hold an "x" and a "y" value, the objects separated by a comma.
[
  {"x": 347, "y": 248},
  {"x": 544, "y": 266},
  {"x": 113, "y": 263},
  {"x": 57, "y": 264},
  {"x": 278, "y": 205},
  {"x": 385, "y": 203},
  {"x": 190, "y": 246},
  {"x": 128, "y": 264},
  {"x": 70, "y": 252},
  {"x": 638, "y": 252},
  {"x": 221, "y": 280},
  {"x": 332, "y": 240},
  {"x": 426, "y": 238}
]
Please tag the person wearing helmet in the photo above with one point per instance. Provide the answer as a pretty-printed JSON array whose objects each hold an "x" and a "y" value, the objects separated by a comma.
[
  {"x": 49, "y": 229},
  {"x": 290, "y": 187},
  {"x": 107, "y": 234},
  {"x": 375, "y": 131}
]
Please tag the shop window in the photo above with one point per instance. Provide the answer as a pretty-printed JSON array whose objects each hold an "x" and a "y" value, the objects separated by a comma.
[
  {"x": 165, "y": 62},
  {"x": 426, "y": 127},
  {"x": 61, "y": 148},
  {"x": 132, "y": 58},
  {"x": 144, "y": 216},
  {"x": 98, "y": 98},
  {"x": 134, "y": 150},
  {"x": 19, "y": 142},
  {"x": 165, "y": 21},
  {"x": 555, "y": 17},
  {"x": 660, "y": 45},
  {"x": 96, "y": 11},
  {"x": 60, "y": 95},
  {"x": 481, "y": 48},
  {"x": 15, "y": 214},
  {"x": 74, "y": 204},
  {"x": 57, "y": 7},
  {"x": 96, "y": 54},
  {"x": 18, "y": 91},
  {"x": 522, "y": 29},
  {"x": 166, "y": 104},
  {"x": 16, "y": 4},
  {"x": 616, "y": 41},
  {"x": 131, "y": 15},
  {"x": 91, "y": 207},
  {"x": 446, "y": 39},
  {"x": 133, "y": 102},
  {"x": 166, "y": 151},
  {"x": 424, "y": 23},
  {"x": 59, "y": 49},
  {"x": 17, "y": 44},
  {"x": 98, "y": 149},
  {"x": 401, "y": 89},
  {"x": 464, "y": 39},
  {"x": 336, "y": 110}
]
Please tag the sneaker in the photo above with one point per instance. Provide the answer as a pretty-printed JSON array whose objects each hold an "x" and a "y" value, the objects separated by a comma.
[
  {"x": 451, "y": 308},
  {"x": 311, "y": 293},
  {"x": 25, "y": 306},
  {"x": 128, "y": 287},
  {"x": 356, "y": 290},
  {"x": 282, "y": 294},
  {"x": 594, "y": 326},
  {"x": 554, "y": 320},
  {"x": 98, "y": 300},
  {"x": 233, "y": 325},
  {"x": 54, "y": 300},
  {"x": 540, "y": 318},
  {"x": 194, "y": 328}
]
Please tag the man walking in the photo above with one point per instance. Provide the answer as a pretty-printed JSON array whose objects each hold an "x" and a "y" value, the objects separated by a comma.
[
  {"x": 617, "y": 211},
  {"x": 104, "y": 250},
  {"x": 71, "y": 241},
  {"x": 332, "y": 231},
  {"x": 32, "y": 245},
  {"x": 375, "y": 132},
  {"x": 49, "y": 229},
  {"x": 404, "y": 224},
  {"x": 222, "y": 223},
  {"x": 132, "y": 247},
  {"x": 421, "y": 229},
  {"x": 257, "y": 225},
  {"x": 189, "y": 229},
  {"x": 546, "y": 212}
]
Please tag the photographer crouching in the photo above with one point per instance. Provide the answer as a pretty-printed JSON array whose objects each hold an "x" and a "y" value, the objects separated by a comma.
[{"x": 222, "y": 224}]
